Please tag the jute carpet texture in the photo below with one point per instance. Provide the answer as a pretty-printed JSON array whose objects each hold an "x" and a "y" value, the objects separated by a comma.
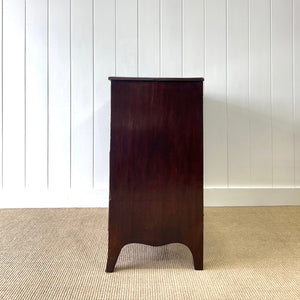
[{"x": 249, "y": 253}]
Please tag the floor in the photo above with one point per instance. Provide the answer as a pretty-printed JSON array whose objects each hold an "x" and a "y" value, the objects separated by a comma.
[{"x": 249, "y": 253}]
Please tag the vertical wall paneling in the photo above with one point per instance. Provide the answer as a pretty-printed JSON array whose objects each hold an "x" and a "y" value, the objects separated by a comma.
[
  {"x": 215, "y": 94},
  {"x": 82, "y": 94},
  {"x": 126, "y": 38},
  {"x": 282, "y": 93},
  {"x": 296, "y": 95},
  {"x": 59, "y": 94},
  {"x": 36, "y": 93},
  {"x": 104, "y": 33},
  {"x": 193, "y": 38},
  {"x": 148, "y": 38},
  {"x": 237, "y": 93},
  {"x": 14, "y": 94},
  {"x": 260, "y": 94},
  {"x": 57, "y": 55},
  {"x": 171, "y": 38}
]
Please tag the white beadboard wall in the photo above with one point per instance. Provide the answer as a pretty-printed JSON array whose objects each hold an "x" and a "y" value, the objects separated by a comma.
[{"x": 56, "y": 56}]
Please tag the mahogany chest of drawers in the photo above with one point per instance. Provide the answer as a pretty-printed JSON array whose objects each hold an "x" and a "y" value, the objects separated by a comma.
[{"x": 156, "y": 164}]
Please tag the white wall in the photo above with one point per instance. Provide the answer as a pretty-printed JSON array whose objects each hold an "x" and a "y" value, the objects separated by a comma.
[{"x": 56, "y": 56}]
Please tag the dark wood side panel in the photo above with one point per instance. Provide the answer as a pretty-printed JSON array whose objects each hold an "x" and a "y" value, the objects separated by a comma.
[{"x": 156, "y": 165}]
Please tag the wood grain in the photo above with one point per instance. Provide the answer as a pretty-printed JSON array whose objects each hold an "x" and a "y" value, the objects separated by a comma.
[{"x": 156, "y": 166}]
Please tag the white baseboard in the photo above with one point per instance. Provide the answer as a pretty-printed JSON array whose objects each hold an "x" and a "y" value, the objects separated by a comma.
[
  {"x": 251, "y": 196},
  {"x": 99, "y": 198},
  {"x": 53, "y": 199}
]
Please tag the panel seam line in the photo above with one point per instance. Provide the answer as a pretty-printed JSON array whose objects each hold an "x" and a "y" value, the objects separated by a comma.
[
  {"x": 93, "y": 87},
  {"x": 70, "y": 162},
  {"x": 271, "y": 93},
  {"x": 293, "y": 88},
  {"x": 226, "y": 97},
  {"x": 25, "y": 93},
  {"x": 48, "y": 12}
]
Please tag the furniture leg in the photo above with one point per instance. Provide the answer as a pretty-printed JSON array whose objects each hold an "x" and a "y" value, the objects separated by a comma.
[
  {"x": 197, "y": 253},
  {"x": 112, "y": 256}
]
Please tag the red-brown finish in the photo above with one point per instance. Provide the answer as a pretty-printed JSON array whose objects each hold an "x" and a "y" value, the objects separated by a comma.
[{"x": 156, "y": 165}]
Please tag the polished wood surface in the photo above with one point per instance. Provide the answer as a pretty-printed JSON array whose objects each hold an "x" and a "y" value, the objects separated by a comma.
[
  {"x": 156, "y": 79},
  {"x": 156, "y": 165}
]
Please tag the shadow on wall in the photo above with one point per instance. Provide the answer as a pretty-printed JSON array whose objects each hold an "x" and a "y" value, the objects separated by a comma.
[
  {"x": 85, "y": 143},
  {"x": 102, "y": 145},
  {"x": 247, "y": 141}
]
